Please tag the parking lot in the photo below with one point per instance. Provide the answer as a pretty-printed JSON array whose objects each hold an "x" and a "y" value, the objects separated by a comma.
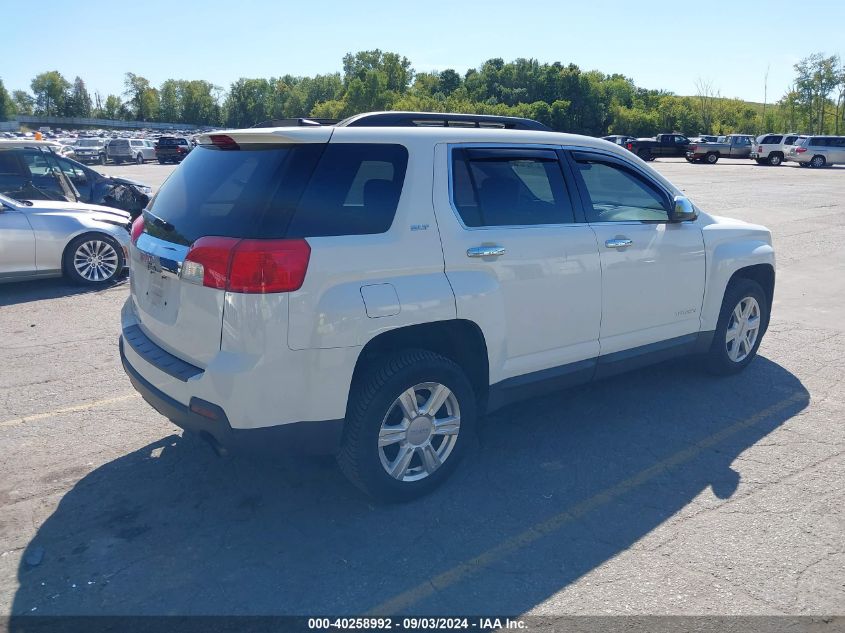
[{"x": 665, "y": 491}]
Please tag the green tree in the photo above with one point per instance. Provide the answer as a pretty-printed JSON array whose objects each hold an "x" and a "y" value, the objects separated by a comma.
[
  {"x": 51, "y": 93},
  {"x": 112, "y": 108},
  {"x": 23, "y": 102},
  {"x": 142, "y": 104},
  {"x": 78, "y": 102},
  {"x": 7, "y": 105},
  {"x": 170, "y": 102}
]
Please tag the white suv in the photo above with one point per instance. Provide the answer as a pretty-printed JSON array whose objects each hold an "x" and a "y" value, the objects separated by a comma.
[
  {"x": 772, "y": 149},
  {"x": 373, "y": 287}
]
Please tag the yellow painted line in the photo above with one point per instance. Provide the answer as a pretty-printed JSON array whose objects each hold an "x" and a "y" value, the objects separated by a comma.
[
  {"x": 73, "y": 409},
  {"x": 577, "y": 511}
]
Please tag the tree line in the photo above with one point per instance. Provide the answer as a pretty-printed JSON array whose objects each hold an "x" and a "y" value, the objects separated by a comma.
[{"x": 563, "y": 96}]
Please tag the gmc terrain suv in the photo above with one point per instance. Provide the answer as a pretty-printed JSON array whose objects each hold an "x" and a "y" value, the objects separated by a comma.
[{"x": 372, "y": 288}]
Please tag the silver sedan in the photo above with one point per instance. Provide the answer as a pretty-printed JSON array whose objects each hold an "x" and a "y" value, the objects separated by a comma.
[{"x": 45, "y": 238}]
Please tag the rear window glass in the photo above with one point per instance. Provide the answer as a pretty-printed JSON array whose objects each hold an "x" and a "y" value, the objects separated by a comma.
[
  {"x": 506, "y": 187},
  {"x": 354, "y": 191},
  {"x": 276, "y": 191},
  {"x": 172, "y": 141},
  {"x": 119, "y": 143}
]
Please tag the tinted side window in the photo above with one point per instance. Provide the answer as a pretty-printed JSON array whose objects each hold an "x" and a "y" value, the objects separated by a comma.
[
  {"x": 618, "y": 194},
  {"x": 790, "y": 140},
  {"x": 503, "y": 187},
  {"x": 354, "y": 190}
]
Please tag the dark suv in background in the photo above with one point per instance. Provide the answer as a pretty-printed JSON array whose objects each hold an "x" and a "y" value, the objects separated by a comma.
[{"x": 172, "y": 149}]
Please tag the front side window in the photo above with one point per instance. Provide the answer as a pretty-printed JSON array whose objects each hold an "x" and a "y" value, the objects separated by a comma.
[
  {"x": 509, "y": 187},
  {"x": 617, "y": 194}
]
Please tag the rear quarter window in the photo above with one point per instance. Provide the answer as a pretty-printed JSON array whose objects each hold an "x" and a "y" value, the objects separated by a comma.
[{"x": 354, "y": 190}]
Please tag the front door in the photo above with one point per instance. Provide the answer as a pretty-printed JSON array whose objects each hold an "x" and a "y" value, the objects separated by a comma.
[
  {"x": 17, "y": 243},
  {"x": 652, "y": 269}
]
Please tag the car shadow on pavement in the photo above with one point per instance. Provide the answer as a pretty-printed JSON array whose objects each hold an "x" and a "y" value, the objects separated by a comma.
[
  {"x": 43, "y": 289},
  {"x": 552, "y": 489}
]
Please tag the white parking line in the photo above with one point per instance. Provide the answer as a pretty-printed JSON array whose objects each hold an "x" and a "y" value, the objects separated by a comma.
[{"x": 72, "y": 409}]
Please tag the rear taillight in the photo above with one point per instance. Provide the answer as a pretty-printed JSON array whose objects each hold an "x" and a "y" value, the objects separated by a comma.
[
  {"x": 630, "y": 146},
  {"x": 692, "y": 148},
  {"x": 800, "y": 150},
  {"x": 137, "y": 229},
  {"x": 247, "y": 266},
  {"x": 759, "y": 148}
]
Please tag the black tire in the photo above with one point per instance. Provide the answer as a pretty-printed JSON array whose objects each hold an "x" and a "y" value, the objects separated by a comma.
[
  {"x": 711, "y": 158},
  {"x": 645, "y": 154},
  {"x": 803, "y": 164},
  {"x": 161, "y": 161},
  {"x": 139, "y": 159},
  {"x": 817, "y": 161},
  {"x": 761, "y": 161},
  {"x": 75, "y": 276},
  {"x": 718, "y": 361},
  {"x": 688, "y": 159},
  {"x": 372, "y": 399},
  {"x": 775, "y": 159},
  {"x": 102, "y": 159}
]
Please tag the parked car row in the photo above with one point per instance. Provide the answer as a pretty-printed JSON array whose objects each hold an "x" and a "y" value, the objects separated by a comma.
[
  {"x": 32, "y": 170},
  {"x": 767, "y": 149}
]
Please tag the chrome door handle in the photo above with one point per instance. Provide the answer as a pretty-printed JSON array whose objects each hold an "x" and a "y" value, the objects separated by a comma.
[
  {"x": 486, "y": 251},
  {"x": 618, "y": 243}
]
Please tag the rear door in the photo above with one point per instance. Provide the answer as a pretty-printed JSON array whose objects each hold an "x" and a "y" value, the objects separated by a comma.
[
  {"x": 520, "y": 264},
  {"x": 652, "y": 269},
  {"x": 248, "y": 192}
]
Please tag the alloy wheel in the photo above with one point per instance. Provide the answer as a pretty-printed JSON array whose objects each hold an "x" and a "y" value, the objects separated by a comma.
[
  {"x": 743, "y": 329},
  {"x": 95, "y": 260},
  {"x": 419, "y": 431}
]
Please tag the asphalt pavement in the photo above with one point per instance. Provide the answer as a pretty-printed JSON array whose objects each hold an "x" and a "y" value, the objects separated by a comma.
[{"x": 665, "y": 491}]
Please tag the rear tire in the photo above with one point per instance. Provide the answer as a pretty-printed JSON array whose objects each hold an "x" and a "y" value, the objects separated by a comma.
[
  {"x": 775, "y": 159},
  {"x": 645, "y": 155},
  {"x": 743, "y": 320},
  {"x": 160, "y": 161},
  {"x": 712, "y": 158},
  {"x": 139, "y": 159},
  {"x": 394, "y": 449},
  {"x": 93, "y": 259},
  {"x": 817, "y": 161},
  {"x": 102, "y": 160}
]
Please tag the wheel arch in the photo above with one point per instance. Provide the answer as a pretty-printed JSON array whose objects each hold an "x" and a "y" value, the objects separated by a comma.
[{"x": 459, "y": 340}]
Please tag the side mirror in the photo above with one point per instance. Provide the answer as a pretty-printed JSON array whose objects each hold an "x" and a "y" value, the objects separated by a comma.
[{"x": 684, "y": 210}]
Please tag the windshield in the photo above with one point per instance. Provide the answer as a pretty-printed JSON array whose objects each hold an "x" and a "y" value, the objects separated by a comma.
[{"x": 34, "y": 174}]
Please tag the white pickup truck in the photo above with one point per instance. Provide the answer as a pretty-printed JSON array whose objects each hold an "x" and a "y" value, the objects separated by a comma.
[{"x": 372, "y": 288}]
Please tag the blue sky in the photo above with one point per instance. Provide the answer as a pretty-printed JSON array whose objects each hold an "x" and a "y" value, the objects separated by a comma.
[{"x": 660, "y": 44}]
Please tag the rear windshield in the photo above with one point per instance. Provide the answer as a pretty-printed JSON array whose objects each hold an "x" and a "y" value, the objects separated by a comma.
[
  {"x": 172, "y": 141},
  {"x": 276, "y": 191},
  {"x": 119, "y": 143}
]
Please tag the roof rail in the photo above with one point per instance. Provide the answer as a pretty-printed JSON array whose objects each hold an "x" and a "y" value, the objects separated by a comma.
[
  {"x": 300, "y": 122},
  {"x": 441, "y": 119}
]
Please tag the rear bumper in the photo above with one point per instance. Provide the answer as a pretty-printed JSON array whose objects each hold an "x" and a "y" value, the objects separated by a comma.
[{"x": 309, "y": 438}]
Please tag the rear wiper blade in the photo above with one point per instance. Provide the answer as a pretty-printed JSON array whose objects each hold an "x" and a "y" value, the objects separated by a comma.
[{"x": 167, "y": 226}]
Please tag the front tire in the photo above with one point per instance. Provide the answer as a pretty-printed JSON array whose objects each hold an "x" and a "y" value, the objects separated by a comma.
[
  {"x": 139, "y": 159},
  {"x": 95, "y": 259},
  {"x": 102, "y": 159},
  {"x": 743, "y": 320},
  {"x": 409, "y": 421}
]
